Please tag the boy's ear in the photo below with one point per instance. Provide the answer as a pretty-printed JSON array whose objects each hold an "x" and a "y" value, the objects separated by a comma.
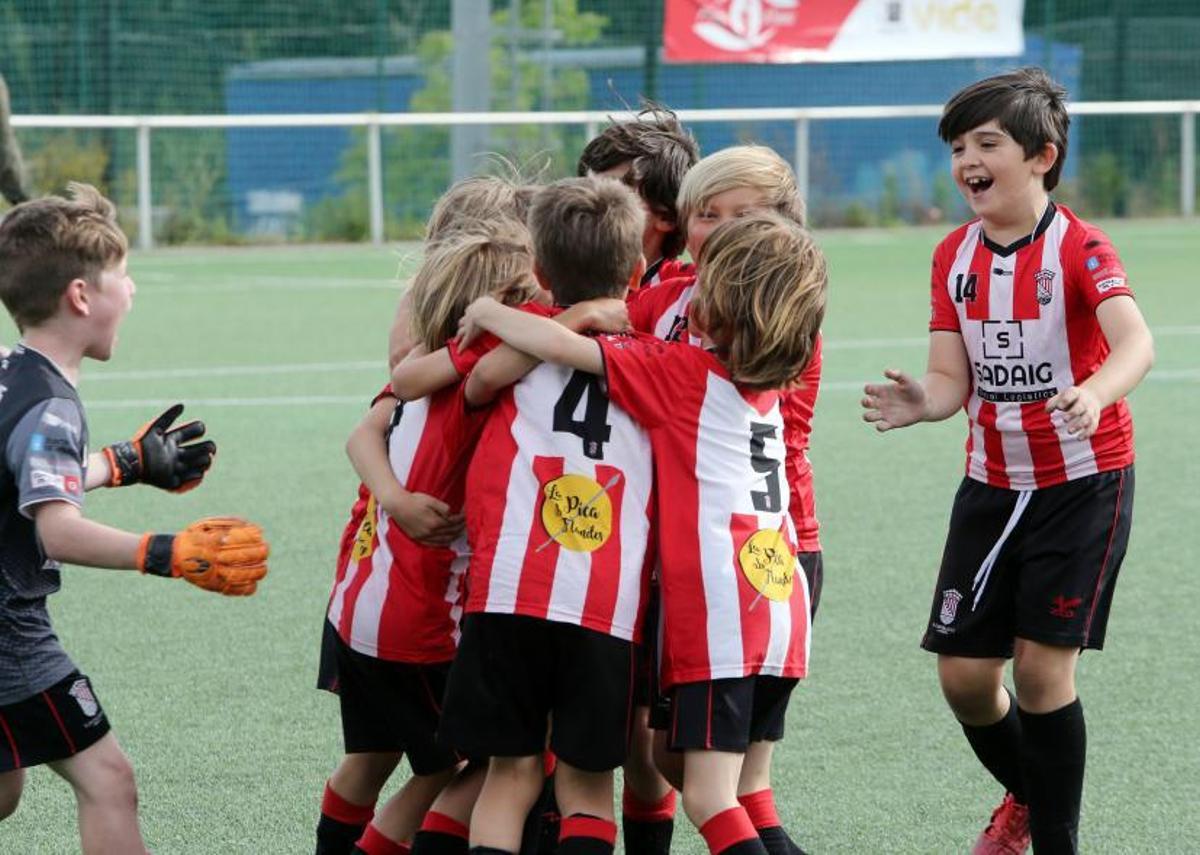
[
  {"x": 542, "y": 281},
  {"x": 75, "y": 298},
  {"x": 663, "y": 225},
  {"x": 635, "y": 280},
  {"x": 1045, "y": 159}
]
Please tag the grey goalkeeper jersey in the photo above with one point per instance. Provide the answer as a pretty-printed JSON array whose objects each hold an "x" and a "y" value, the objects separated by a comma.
[{"x": 43, "y": 440}]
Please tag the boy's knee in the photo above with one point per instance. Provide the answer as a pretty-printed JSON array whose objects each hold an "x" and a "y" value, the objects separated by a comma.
[
  {"x": 111, "y": 783},
  {"x": 972, "y": 687},
  {"x": 12, "y": 784}
]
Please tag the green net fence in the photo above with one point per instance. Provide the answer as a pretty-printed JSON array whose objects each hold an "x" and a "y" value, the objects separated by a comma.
[{"x": 114, "y": 57}]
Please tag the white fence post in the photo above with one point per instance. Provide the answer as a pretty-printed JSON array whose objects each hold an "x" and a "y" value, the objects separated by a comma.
[
  {"x": 145, "y": 199},
  {"x": 1187, "y": 164},
  {"x": 801, "y": 163},
  {"x": 375, "y": 181}
]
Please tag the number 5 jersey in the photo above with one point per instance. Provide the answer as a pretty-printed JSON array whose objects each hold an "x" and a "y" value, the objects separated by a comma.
[{"x": 734, "y": 600}]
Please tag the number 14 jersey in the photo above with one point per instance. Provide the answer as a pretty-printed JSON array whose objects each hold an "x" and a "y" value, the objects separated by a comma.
[{"x": 559, "y": 497}]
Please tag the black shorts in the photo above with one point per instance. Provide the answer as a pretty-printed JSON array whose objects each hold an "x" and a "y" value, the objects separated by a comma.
[
  {"x": 645, "y": 676},
  {"x": 389, "y": 706},
  {"x": 1035, "y": 564},
  {"x": 813, "y": 566},
  {"x": 814, "y": 570},
  {"x": 52, "y": 725},
  {"x": 727, "y": 715},
  {"x": 513, "y": 674}
]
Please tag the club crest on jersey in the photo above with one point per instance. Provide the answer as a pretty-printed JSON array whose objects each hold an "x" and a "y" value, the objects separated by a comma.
[
  {"x": 768, "y": 564},
  {"x": 364, "y": 540},
  {"x": 1045, "y": 286},
  {"x": 577, "y": 512},
  {"x": 950, "y": 600},
  {"x": 82, "y": 693}
]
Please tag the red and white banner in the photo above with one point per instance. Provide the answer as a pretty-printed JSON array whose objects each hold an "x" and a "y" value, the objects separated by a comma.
[{"x": 840, "y": 30}]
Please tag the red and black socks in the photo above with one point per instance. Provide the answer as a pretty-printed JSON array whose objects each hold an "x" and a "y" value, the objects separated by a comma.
[
  {"x": 375, "y": 842},
  {"x": 647, "y": 827},
  {"x": 732, "y": 833},
  {"x": 583, "y": 834},
  {"x": 760, "y": 807},
  {"x": 341, "y": 824},
  {"x": 441, "y": 835}
]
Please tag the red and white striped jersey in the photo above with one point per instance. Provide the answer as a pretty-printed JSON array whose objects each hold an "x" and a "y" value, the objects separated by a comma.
[
  {"x": 664, "y": 269},
  {"x": 1027, "y": 315},
  {"x": 559, "y": 497},
  {"x": 394, "y": 598},
  {"x": 735, "y": 601},
  {"x": 662, "y": 311}
]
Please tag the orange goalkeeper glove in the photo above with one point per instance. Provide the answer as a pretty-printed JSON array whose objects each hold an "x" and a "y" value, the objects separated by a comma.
[
  {"x": 223, "y": 554},
  {"x": 158, "y": 456}
]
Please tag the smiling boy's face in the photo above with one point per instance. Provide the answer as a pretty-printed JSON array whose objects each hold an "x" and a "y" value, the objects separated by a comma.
[
  {"x": 994, "y": 175},
  {"x": 110, "y": 298}
]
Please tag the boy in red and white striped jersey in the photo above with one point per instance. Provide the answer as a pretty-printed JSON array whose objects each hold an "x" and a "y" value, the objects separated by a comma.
[
  {"x": 393, "y": 616},
  {"x": 735, "y": 602},
  {"x": 650, "y": 154},
  {"x": 1035, "y": 329},
  {"x": 558, "y": 519},
  {"x": 722, "y": 187}
]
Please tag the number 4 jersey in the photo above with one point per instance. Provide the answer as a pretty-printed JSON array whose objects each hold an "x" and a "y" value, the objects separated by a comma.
[
  {"x": 559, "y": 497},
  {"x": 734, "y": 600}
]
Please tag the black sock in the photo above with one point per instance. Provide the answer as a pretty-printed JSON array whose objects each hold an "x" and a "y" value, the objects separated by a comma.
[
  {"x": 337, "y": 838},
  {"x": 998, "y": 747},
  {"x": 777, "y": 841},
  {"x": 489, "y": 850},
  {"x": 644, "y": 837},
  {"x": 1053, "y": 750},
  {"x": 439, "y": 843},
  {"x": 646, "y": 827}
]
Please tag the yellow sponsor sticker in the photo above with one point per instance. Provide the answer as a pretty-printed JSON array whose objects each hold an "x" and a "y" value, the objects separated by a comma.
[
  {"x": 768, "y": 564},
  {"x": 364, "y": 541},
  {"x": 577, "y": 512}
]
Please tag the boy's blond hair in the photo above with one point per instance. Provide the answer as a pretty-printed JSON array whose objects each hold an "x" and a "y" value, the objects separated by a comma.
[
  {"x": 47, "y": 243},
  {"x": 481, "y": 198},
  {"x": 487, "y": 259},
  {"x": 741, "y": 166},
  {"x": 760, "y": 298},
  {"x": 587, "y": 237}
]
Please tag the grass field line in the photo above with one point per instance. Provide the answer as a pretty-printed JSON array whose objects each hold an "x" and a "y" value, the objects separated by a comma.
[
  {"x": 239, "y": 370},
  {"x": 376, "y": 365},
  {"x": 1185, "y": 375},
  {"x": 257, "y": 283},
  {"x": 922, "y": 341}
]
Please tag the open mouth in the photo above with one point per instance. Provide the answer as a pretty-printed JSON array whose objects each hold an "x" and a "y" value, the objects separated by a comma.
[{"x": 978, "y": 185}]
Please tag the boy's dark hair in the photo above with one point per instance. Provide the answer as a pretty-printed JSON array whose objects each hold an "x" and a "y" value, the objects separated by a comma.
[
  {"x": 47, "y": 243},
  {"x": 1027, "y": 103},
  {"x": 587, "y": 237},
  {"x": 659, "y": 151}
]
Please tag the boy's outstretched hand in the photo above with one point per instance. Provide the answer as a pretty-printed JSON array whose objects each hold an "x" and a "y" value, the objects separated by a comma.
[
  {"x": 227, "y": 555},
  {"x": 162, "y": 456},
  {"x": 897, "y": 404}
]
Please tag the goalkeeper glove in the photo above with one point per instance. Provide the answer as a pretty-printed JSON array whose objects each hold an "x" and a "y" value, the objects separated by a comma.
[
  {"x": 223, "y": 554},
  {"x": 159, "y": 457}
]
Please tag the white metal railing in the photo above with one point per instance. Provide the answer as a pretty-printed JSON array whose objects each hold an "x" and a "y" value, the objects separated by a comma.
[{"x": 802, "y": 117}]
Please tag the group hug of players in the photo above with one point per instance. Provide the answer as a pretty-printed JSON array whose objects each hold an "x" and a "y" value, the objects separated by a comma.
[{"x": 585, "y": 536}]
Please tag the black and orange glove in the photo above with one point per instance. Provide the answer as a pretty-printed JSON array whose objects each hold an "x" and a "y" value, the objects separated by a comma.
[
  {"x": 157, "y": 455},
  {"x": 223, "y": 554}
]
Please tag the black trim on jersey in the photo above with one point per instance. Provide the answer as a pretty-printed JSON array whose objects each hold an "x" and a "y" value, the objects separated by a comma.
[
  {"x": 652, "y": 271},
  {"x": 1043, "y": 224}
]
